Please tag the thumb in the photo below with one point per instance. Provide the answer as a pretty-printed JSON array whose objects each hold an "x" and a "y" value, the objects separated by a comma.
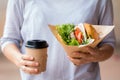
[{"x": 27, "y": 57}]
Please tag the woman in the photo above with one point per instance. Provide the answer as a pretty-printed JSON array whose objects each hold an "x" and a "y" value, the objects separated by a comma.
[{"x": 29, "y": 19}]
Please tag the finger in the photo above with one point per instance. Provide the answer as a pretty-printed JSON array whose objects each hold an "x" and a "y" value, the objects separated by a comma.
[
  {"x": 29, "y": 63},
  {"x": 27, "y": 57},
  {"x": 30, "y": 70},
  {"x": 90, "y": 58},
  {"x": 79, "y": 55},
  {"x": 76, "y": 54},
  {"x": 80, "y": 61},
  {"x": 91, "y": 50},
  {"x": 76, "y": 61}
]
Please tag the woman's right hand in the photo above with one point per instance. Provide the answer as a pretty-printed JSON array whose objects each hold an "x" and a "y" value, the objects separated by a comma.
[{"x": 27, "y": 64}]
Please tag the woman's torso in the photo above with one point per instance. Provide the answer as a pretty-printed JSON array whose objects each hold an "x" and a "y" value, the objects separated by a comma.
[{"x": 37, "y": 14}]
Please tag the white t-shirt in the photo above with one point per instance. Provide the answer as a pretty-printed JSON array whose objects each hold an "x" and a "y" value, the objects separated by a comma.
[{"x": 29, "y": 19}]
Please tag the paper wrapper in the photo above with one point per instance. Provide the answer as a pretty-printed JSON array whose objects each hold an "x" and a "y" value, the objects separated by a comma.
[{"x": 102, "y": 30}]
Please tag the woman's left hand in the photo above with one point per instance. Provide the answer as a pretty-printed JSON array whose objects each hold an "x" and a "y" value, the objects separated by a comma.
[{"x": 92, "y": 55}]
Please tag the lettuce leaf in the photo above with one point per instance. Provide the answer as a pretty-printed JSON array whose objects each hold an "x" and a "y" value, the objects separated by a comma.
[{"x": 64, "y": 31}]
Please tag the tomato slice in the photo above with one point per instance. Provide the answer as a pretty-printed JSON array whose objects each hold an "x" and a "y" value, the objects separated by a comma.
[{"x": 78, "y": 35}]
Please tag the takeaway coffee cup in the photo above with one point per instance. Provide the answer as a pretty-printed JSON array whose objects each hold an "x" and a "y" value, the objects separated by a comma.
[{"x": 38, "y": 49}]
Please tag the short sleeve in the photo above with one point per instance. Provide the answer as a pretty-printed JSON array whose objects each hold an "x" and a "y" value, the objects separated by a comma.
[
  {"x": 106, "y": 18},
  {"x": 13, "y": 23}
]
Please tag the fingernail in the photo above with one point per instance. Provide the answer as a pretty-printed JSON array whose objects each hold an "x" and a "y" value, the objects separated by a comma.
[
  {"x": 68, "y": 56},
  {"x": 36, "y": 70},
  {"x": 31, "y": 58},
  {"x": 36, "y": 64}
]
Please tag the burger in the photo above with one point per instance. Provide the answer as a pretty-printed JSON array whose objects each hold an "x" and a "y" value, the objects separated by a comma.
[{"x": 75, "y": 35}]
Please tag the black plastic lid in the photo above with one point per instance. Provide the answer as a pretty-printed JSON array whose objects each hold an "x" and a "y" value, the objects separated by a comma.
[{"x": 37, "y": 44}]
